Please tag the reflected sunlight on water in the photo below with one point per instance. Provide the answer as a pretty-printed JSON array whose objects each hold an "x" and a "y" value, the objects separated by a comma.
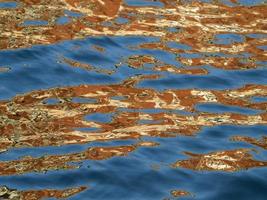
[{"x": 138, "y": 100}]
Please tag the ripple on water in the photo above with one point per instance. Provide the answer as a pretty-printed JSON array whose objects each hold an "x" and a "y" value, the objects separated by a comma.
[{"x": 141, "y": 100}]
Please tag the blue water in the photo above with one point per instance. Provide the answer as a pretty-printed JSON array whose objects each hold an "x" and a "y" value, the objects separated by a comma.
[
  {"x": 144, "y": 3},
  {"x": 35, "y": 23},
  {"x": 220, "y": 108},
  {"x": 63, "y": 20},
  {"x": 8, "y": 4},
  {"x": 228, "y": 38}
]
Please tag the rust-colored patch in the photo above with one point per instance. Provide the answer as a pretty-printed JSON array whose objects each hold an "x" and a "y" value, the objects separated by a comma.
[
  {"x": 4, "y": 69},
  {"x": 180, "y": 193},
  {"x": 12, "y": 194},
  {"x": 230, "y": 160},
  {"x": 262, "y": 142},
  {"x": 55, "y": 162},
  {"x": 86, "y": 66}
]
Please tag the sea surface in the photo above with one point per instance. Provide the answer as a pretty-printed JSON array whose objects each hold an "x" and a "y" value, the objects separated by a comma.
[{"x": 133, "y": 99}]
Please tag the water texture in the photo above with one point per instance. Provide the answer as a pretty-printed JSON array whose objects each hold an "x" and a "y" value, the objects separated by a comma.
[{"x": 133, "y": 99}]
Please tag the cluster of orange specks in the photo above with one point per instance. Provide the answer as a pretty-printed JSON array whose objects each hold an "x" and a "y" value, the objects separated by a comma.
[
  {"x": 138, "y": 61},
  {"x": 12, "y": 194},
  {"x": 173, "y": 69},
  {"x": 86, "y": 66},
  {"x": 220, "y": 62},
  {"x": 231, "y": 160},
  {"x": 176, "y": 194},
  {"x": 98, "y": 48},
  {"x": 141, "y": 61},
  {"x": 179, "y": 193}
]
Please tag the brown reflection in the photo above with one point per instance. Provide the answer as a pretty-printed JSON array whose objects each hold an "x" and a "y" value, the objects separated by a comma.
[
  {"x": 230, "y": 160},
  {"x": 57, "y": 162},
  {"x": 179, "y": 193},
  {"x": 13, "y": 194},
  {"x": 176, "y": 194},
  {"x": 262, "y": 142},
  {"x": 30, "y": 120},
  {"x": 140, "y": 61},
  {"x": 86, "y": 66},
  {"x": 192, "y": 23},
  {"x": 4, "y": 69}
]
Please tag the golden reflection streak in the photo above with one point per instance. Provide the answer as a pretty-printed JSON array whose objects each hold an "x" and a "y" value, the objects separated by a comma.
[
  {"x": 196, "y": 25},
  {"x": 26, "y": 120},
  {"x": 229, "y": 160}
]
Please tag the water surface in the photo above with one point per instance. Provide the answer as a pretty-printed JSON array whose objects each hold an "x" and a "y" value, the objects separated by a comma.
[{"x": 137, "y": 100}]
